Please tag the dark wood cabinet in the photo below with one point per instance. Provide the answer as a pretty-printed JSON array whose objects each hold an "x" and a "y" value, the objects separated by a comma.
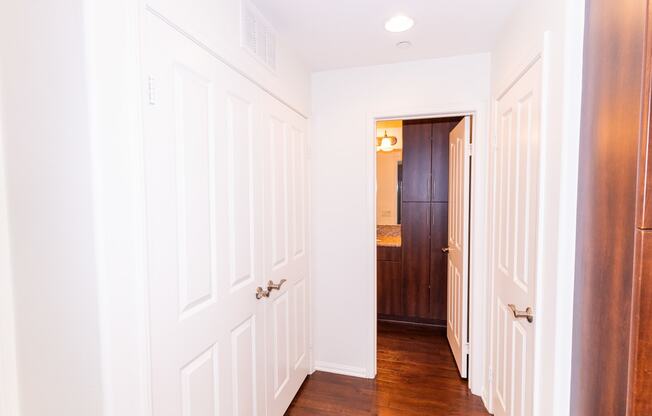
[
  {"x": 416, "y": 258},
  {"x": 424, "y": 227},
  {"x": 416, "y": 160},
  {"x": 612, "y": 341},
  {"x": 438, "y": 262},
  {"x": 641, "y": 335},
  {"x": 644, "y": 203},
  {"x": 390, "y": 282},
  {"x": 439, "y": 158}
]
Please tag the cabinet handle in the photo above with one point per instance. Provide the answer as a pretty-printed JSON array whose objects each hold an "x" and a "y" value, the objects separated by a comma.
[
  {"x": 432, "y": 189},
  {"x": 445, "y": 250}
]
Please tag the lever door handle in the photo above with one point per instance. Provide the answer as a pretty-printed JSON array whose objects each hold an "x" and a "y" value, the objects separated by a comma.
[
  {"x": 261, "y": 293},
  {"x": 273, "y": 286},
  {"x": 527, "y": 313},
  {"x": 445, "y": 250}
]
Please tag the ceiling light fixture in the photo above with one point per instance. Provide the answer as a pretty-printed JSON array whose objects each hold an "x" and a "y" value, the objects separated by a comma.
[
  {"x": 404, "y": 44},
  {"x": 399, "y": 23},
  {"x": 386, "y": 143}
]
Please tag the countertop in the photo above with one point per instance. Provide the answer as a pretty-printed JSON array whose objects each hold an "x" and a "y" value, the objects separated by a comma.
[{"x": 388, "y": 236}]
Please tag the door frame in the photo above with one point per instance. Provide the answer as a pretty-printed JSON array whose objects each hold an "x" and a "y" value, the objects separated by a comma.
[
  {"x": 9, "y": 402},
  {"x": 478, "y": 321}
]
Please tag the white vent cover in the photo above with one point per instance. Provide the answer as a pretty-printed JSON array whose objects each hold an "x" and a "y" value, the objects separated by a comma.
[{"x": 257, "y": 35}]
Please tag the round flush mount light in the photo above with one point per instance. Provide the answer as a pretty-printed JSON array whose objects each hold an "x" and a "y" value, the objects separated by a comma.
[
  {"x": 399, "y": 23},
  {"x": 404, "y": 44}
]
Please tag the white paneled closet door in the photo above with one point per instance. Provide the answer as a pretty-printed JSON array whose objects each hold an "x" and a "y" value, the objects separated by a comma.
[
  {"x": 202, "y": 162},
  {"x": 226, "y": 213},
  {"x": 286, "y": 253}
]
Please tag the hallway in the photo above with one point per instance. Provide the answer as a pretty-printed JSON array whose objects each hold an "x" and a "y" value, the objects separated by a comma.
[{"x": 416, "y": 376}]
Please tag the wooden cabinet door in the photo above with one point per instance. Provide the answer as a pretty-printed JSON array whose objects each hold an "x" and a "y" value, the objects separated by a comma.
[
  {"x": 416, "y": 258},
  {"x": 644, "y": 202},
  {"x": 390, "y": 288},
  {"x": 438, "y": 263},
  {"x": 641, "y": 353},
  {"x": 417, "y": 161},
  {"x": 439, "y": 161}
]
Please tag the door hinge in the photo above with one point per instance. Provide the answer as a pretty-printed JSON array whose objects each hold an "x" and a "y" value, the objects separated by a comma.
[
  {"x": 469, "y": 149},
  {"x": 151, "y": 90},
  {"x": 466, "y": 347}
]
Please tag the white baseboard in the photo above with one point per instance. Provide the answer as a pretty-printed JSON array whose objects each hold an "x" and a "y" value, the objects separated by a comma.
[
  {"x": 485, "y": 400},
  {"x": 345, "y": 370}
]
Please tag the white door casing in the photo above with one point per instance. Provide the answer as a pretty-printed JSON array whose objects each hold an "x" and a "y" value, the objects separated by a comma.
[
  {"x": 515, "y": 241},
  {"x": 212, "y": 233},
  {"x": 458, "y": 242},
  {"x": 286, "y": 253}
]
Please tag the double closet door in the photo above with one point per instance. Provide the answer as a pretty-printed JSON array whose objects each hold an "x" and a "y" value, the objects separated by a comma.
[
  {"x": 225, "y": 193},
  {"x": 424, "y": 217}
]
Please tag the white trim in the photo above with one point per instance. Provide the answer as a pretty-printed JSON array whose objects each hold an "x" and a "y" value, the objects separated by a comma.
[
  {"x": 113, "y": 48},
  {"x": 345, "y": 370},
  {"x": 540, "y": 335},
  {"x": 311, "y": 292},
  {"x": 477, "y": 277},
  {"x": 9, "y": 401}
]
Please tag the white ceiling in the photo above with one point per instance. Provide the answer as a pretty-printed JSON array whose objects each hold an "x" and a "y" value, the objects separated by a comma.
[{"x": 331, "y": 34}]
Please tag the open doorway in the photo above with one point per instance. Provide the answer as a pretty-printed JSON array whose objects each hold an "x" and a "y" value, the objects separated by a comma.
[{"x": 423, "y": 227}]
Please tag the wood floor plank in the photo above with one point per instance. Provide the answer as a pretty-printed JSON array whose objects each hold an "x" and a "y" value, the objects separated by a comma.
[{"x": 416, "y": 376}]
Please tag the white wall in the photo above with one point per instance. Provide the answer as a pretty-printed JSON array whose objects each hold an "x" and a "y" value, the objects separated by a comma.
[
  {"x": 342, "y": 103},
  {"x": 49, "y": 199},
  {"x": 521, "y": 37}
]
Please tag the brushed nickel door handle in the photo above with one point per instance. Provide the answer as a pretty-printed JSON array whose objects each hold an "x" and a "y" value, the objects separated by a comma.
[
  {"x": 445, "y": 250},
  {"x": 273, "y": 286},
  {"x": 261, "y": 293},
  {"x": 527, "y": 313}
]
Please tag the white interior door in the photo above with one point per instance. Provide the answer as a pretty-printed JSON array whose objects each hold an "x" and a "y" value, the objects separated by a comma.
[
  {"x": 204, "y": 231},
  {"x": 457, "y": 327},
  {"x": 515, "y": 207},
  {"x": 286, "y": 253}
]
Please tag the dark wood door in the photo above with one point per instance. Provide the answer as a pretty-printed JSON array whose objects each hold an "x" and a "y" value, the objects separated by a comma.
[
  {"x": 417, "y": 161},
  {"x": 416, "y": 258},
  {"x": 438, "y": 263}
]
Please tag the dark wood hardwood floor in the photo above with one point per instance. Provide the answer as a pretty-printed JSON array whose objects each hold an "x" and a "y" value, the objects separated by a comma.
[{"x": 416, "y": 376}]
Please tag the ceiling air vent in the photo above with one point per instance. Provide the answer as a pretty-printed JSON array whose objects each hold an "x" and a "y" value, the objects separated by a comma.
[{"x": 257, "y": 36}]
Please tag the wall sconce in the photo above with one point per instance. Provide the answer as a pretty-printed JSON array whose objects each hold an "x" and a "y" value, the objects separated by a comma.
[{"x": 386, "y": 143}]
